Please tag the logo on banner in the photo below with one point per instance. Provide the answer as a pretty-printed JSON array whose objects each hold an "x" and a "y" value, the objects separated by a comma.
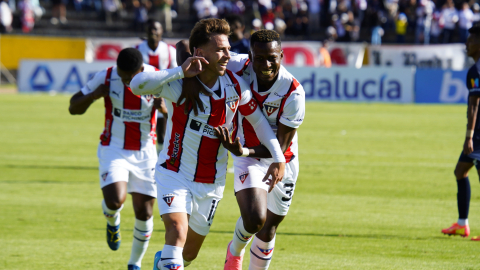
[
  {"x": 168, "y": 198},
  {"x": 266, "y": 252},
  {"x": 270, "y": 109},
  {"x": 243, "y": 177},
  {"x": 41, "y": 79}
]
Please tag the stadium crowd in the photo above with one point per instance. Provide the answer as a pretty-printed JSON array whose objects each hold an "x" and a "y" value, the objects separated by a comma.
[{"x": 418, "y": 21}]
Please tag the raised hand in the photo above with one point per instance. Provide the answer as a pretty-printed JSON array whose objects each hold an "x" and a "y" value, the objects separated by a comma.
[
  {"x": 193, "y": 65},
  {"x": 274, "y": 174},
  {"x": 235, "y": 147}
]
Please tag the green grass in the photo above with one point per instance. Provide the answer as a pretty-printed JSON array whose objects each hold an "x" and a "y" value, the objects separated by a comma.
[{"x": 376, "y": 186}]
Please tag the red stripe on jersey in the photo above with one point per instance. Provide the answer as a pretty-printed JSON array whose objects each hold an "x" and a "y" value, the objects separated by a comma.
[
  {"x": 153, "y": 60},
  {"x": 107, "y": 131},
  {"x": 130, "y": 100},
  {"x": 251, "y": 139},
  {"x": 245, "y": 66},
  {"x": 288, "y": 154},
  {"x": 153, "y": 124},
  {"x": 132, "y": 136},
  {"x": 208, "y": 150},
  {"x": 260, "y": 99},
  {"x": 175, "y": 145}
]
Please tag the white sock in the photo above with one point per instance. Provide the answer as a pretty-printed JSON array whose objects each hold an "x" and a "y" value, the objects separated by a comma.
[
  {"x": 241, "y": 238},
  {"x": 462, "y": 222},
  {"x": 261, "y": 254},
  {"x": 112, "y": 216},
  {"x": 186, "y": 263},
  {"x": 171, "y": 258},
  {"x": 141, "y": 237}
]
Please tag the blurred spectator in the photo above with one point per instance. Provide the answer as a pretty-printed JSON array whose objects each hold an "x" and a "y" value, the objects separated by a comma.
[
  {"x": 449, "y": 17},
  {"x": 424, "y": 20},
  {"x": 324, "y": 55},
  {"x": 226, "y": 7},
  {"x": 27, "y": 16},
  {"x": 59, "y": 12},
  {"x": 238, "y": 43},
  {"x": 361, "y": 7},
  {"x": 476, "y": 12},
  {"x": 436, "y": 28},
  {"x": 141, "y": 15},
  {"x": 377, "y": 34},
  {"x": 5, "y": 17},
  {"x": 164, "y": 13},
  {"x": 314, "y": 16},
  {"x": 465, "y": 21},
  {"x": 401, "y": 27},
  {"x": 205, "y": 9},
  {"x": 111, "y": 8}
]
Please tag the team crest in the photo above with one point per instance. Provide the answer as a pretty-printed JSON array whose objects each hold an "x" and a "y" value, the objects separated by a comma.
[
  {"x": 148, "y": 97},
  {"x": 243, "y": 177},
  {"x": 104, "y": 176},
  {"x": 266, "y": 252},
  {"x": 172, "y": 266},
  {"x": 169, "y": 199},
  {"x": 232, "y": 104},
  {"x": 270, "y": 109}
]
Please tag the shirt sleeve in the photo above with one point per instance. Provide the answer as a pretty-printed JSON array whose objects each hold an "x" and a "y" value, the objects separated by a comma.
[
  {"x": 152, "y": 83},
  {"x": 173, "y": 57},
  {"x": 237, "y": 62},
  {"x": 294, "y": 110},
  {"x": 94, "y": 83}
]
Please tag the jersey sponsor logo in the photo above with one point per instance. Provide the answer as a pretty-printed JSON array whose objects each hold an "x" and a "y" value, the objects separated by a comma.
[
  {"x": 278, "y": 95},
  {"x": 195, "y": 125},
  {"x": 266, "y": 252},
  {"x": 176, "y": 147},
  {"x": 232, "y": 103},
  {"x": 270, "y": 109},
  {"x": 168, "y": 198},
  {"x": 243, "y": 177},
  {"x": 172, "y": 266},
  {"x": 117, "y": 94},
  {"x": 104, "y": 176},
  {"x": 131, "y": 115},
  {"x": 117, "y": 112},
  {"x": 474, "y": 83},
  {"x": 204, "y": 129}
]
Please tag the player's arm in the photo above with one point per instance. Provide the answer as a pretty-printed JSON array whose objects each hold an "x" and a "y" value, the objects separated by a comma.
[
  {"x": 151, "y": 83},
  {"x": 191, "y": 86},
  {"x": 80, "y": 102},
  {"x": 472, "y": 111},
  {"x": 285, "y": 136},
  {"x": 159, "y": 104}
]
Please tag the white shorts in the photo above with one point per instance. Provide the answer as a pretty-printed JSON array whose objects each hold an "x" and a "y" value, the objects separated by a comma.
[
  {"x": 137, "y": 168},
  {"x": 199, "y": 200},
  {"x": 249, "y": 173}
]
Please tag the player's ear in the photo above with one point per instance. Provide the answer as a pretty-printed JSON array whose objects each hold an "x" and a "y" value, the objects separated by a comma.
[
  {"x": 250, "y": 55},
  {"x": 281, "y": 55},
  {"x": 143, "y": 67}
]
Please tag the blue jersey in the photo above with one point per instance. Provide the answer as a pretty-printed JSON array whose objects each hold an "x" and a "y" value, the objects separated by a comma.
[{"x": 473, "y": 86}]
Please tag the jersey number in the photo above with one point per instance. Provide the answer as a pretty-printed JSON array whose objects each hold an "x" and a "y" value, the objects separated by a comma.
[
  {"x": 213, "y": 208},
  {"x": 288, "y": 190}
]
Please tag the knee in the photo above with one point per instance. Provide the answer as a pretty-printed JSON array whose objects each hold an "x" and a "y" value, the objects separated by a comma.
[
  {"x": 114, "y": 204},
  {"x": 254, "y": 223},
  {"x": 143, "y": 214},
  {"x": 460, "y": 174},
  {"x": 176, "y": 230}
]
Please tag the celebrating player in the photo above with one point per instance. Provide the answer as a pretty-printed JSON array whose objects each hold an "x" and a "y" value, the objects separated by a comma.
[
  {"x": 126, "y": 152},
  {"x": 191, "y": 168},
  {"x": 159, "y": 54},
  {"x": 263, "y": 204},
  {"x": 471, "y": 147}
]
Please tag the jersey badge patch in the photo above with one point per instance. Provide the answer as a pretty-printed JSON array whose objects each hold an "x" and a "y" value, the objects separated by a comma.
[
  {"x": 246, "y": 238},
  {"x": 104, "y": 176},
  {"x": 243, "y": 177},
  {"x": 168, "y": 198},
  {"x": 266, "y": 252},
  {"x": 232, "y": 103},
  {"x": 270, "y": 109},
  {"x": 148, "y": 97},
  {"x": 474, "y": 83}
]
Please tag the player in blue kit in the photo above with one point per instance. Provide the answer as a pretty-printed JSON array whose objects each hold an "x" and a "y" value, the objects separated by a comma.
[{"x": 471, "y": 148}]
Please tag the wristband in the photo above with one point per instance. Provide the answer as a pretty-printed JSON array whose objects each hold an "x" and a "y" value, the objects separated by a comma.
[
  {"x": 246, "y": 152},
  {"x": 469, "y": 133}
]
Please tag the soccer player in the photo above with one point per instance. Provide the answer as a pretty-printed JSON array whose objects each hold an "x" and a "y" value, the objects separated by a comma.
[
  {"x": 471, "y": 147},
  {"x": 191, "y": 168},
  {"x": 126, "y": 152},
  {"x": 263, "y": 204},
  {"x": 159, "y": 54}
]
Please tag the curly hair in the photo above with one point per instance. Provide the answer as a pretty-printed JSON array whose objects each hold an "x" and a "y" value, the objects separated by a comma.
[
  {"x": 205, "y": 29},
  {"x": 265, "y": 36}
]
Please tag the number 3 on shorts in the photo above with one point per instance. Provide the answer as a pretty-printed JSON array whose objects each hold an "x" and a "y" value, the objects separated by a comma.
[
  {"x": 213, "y": 208},
  {"x": 288, "y": 190}
]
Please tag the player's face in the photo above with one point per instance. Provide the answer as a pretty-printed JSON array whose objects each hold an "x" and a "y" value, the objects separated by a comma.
[
  {"x": 154, "y": 32},
  {"x": 127, "y": 76},
  {"x": 217, "y": 53},
  {"x": 266, "y": 60}
]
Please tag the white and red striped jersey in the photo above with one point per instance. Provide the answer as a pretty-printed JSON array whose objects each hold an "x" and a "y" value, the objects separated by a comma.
[
  {"x": 163, "y": 57},
  {"x": 191, "y": 147},
  {"x": 283, "y": 103},
  {"x": 129, "y": 119}
]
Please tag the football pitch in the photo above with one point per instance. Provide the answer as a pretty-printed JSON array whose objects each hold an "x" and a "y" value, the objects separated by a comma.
[{"x": 376, "y": 186}]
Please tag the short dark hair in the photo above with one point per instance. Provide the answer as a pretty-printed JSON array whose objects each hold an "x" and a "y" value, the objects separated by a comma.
[
  {"x": 265, "y": 36},
  {"x": 204, "y": 29},
  {"x": 475, "y": 29},
  {"x": 129, "y": 60},
  {"x": 233, "y": 18}
]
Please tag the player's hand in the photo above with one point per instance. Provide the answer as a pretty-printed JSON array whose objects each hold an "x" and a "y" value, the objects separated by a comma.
[
  {"x": 101, "y": 91},
  {"x": 191, "y": 94},
  {"x": 468, "y": 146},
  {"x": 274, "y": 174},
  {"x": 223, "y": 135},
  {"x": 193, "y": 65},
  {"x": 159, "y": 104}
]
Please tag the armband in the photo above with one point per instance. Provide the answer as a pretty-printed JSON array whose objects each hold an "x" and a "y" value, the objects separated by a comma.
[
  {"x": 469, "y": 133},
  {"x": 246, "y": 152}
]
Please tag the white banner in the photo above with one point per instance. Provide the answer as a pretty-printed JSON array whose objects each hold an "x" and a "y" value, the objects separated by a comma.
[
  {"x": 447, "y": 56},
  {"x": 60, "y": 76},
  {"x": 350, "y": 84}
]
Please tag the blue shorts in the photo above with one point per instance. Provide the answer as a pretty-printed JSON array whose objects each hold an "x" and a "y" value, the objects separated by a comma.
[{"x": 474, "y": 157}]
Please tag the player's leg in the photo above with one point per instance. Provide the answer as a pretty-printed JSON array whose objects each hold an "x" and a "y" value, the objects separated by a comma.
[
  {"x": 192, "y": 246},
  {"x": 477, "y": 165},
  {"x": 114, "y": 196},
  {"x": 142, "y": 231},
  {"x": 461, "y": 227}
]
